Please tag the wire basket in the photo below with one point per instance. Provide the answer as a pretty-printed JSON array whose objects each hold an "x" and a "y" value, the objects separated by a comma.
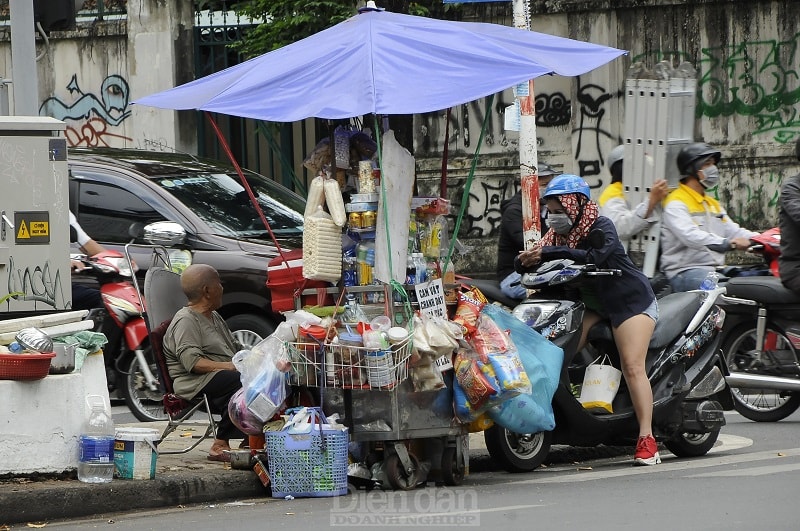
[
  {"x": 348, "y": 367},
  {"x": 32, "y": 366},
  {"x": 308, "y": 464}
]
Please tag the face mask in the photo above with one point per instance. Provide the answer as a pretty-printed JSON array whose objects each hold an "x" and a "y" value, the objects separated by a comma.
[
  {"x": 559, "y": 223},
  {"x": 711, "y": 175}
]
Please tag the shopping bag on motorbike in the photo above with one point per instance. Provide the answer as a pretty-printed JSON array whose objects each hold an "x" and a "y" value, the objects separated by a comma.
[{"x": 600, "y": 385}]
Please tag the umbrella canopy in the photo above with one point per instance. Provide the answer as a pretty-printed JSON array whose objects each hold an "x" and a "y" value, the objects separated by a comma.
[{"x": 383, "y": 63}]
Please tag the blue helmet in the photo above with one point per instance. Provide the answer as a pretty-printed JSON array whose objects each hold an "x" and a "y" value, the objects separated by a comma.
[{"x": 566, "y": 184}]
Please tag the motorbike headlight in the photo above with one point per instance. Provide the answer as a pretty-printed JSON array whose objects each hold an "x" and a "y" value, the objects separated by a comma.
[{"x": 535, "y": 315}]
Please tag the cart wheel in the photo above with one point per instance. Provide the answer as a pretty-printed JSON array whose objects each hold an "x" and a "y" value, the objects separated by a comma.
[
  {"x": 399, "y": 478},
  {"x": 452, "y": 470}
]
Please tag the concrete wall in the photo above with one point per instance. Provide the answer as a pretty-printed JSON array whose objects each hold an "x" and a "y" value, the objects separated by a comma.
[
  {"x": 90, "y": 76},
  {"x": 748, "y": 60}
]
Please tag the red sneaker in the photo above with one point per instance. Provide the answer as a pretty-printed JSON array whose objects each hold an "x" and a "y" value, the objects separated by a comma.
[{"x": 646, "y": 451}]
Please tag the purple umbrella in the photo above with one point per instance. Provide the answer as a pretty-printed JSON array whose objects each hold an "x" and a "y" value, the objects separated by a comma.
[{"x": 384, "y": 63}]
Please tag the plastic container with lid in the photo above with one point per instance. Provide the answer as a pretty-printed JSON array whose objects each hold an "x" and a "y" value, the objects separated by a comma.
[{"x": 397, "y": 334}]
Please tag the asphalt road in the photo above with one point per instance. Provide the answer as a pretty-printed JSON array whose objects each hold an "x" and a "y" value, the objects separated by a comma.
[{"x": 747, "y": 481}]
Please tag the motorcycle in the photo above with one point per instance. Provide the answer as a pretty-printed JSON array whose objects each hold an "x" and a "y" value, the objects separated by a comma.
[
  {"x": 683, "y": 364},
  {"x": 131, "y": 369},
  {"x": 761, "y": 337}
]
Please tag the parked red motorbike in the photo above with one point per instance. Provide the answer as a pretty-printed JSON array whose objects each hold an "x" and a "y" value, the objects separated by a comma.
[
  {"x": 132, "y": 372},
  {"x": 761, "y": 336}
]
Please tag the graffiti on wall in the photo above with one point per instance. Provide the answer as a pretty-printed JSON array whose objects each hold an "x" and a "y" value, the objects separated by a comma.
[
  {"x": 758, "y": 79},
  {"x": 594, "y": 134},
  {"x": 90, "y": 118},
  {"x": 38, "y": 283}
]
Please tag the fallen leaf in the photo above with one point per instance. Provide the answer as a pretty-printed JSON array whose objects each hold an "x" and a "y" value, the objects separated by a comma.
[
  {"x": 290, "y": 514},
  {"x": 584, "y": 468},
  {"x": 781, "y": 454},
  {"x": 37, "y": 525},
  {"x": 4, "y": 527},
  {"x": 111, "y": 521}
]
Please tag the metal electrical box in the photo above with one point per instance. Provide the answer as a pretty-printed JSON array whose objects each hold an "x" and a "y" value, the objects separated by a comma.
[
  {"x": 659, "y": 122},
  {"x": 34, "y": 216}
]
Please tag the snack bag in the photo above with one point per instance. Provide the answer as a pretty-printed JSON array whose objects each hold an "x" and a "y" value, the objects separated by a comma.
[
  {"x": 463, "y": 409},
  {"x": 476, "y": 386},
  {"x": 470, "y": 304},
  {"x": 488, "y": 338},
  {"x": 509, "y": 372}
]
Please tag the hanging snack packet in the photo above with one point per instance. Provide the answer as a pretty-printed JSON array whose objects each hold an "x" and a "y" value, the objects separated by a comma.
[
  {"x": 470, "y": 304},
  {"x": 488, "y": 338},
  {"x": 510, "y": 374},
  {"x": 475, "y": 384}
]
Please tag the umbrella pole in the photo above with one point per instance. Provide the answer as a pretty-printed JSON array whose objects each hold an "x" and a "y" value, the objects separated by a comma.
[{"x": 250, "y": 193}]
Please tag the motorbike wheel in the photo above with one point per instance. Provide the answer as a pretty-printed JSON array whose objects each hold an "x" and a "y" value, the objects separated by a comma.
[
  {"x": 517, "y": 452},
  {"x": 249, "y": 329},
  {"x": 760, "y": 405},
  {"x": 692, "y": 444},
  {"x": 145, "y": 404}
]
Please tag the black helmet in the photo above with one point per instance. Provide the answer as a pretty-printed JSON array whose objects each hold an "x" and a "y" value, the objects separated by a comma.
[
  {"x": 797, "y": 148},
  {"x": 693, "y": 155},
  {"x": 545, "y": 170}
]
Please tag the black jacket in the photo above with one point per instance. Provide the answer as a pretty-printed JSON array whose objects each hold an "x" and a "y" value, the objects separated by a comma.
[
  {"x": 789, "y": 260},
  {"x": 511, "y": 240},
  {"x": 622, "y": 296}
]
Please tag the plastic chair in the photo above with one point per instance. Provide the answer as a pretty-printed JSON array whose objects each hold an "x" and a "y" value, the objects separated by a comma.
[{"x": 164, "y": 296}]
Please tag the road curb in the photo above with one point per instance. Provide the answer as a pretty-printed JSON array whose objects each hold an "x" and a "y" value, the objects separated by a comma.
[{"x": 32, "y": 502}]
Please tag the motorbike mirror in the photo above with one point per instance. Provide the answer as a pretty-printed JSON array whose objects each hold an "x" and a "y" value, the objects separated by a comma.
[
  {"x": 166, "y": 233},
  {"x": 597, "y": 238},
  {"x": 135, "y": 230}
]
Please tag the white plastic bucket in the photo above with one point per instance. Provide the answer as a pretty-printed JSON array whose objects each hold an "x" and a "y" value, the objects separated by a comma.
[{"x": 135, "y": 453}]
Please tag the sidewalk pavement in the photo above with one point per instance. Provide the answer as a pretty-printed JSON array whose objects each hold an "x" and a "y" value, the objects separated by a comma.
[{"x": 180, "y": 479}]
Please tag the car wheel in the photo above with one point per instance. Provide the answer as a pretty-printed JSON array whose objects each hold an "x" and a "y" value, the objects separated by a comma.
[{"x": 249, "y": 329}]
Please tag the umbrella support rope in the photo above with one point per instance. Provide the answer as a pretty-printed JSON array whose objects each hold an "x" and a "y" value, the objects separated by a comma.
[
  {"x": 252, "y": 196},
  {"x": 467, "y": 186}
]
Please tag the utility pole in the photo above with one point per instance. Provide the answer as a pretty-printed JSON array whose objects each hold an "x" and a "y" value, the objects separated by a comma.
[
  {"x": 23, "y": 59},
  {"x": 528, "y": 157}
]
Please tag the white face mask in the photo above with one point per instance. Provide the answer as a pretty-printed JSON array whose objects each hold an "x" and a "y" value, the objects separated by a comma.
[
  {"x": 710, "y": 177},
  {"x": 559, "y": 223}
]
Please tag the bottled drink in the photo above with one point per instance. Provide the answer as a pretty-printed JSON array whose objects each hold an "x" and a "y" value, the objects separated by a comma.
[
  {"x": 96, "y": 445},
  {"x": 420, "y": 268},
  {"x": 710, "y": 282}
]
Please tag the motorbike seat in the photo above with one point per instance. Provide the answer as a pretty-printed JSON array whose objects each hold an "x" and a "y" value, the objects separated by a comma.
[
  {"x": 762, "y": 289},
  {"x": 675, "y": 312}
]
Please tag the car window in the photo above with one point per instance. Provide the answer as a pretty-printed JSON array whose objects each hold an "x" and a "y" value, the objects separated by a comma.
[
  {"x": 106, "y": 212},
  {"x": 223, "y": 203}
]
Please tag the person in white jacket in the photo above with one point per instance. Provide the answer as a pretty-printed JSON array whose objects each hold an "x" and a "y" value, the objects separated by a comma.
[
  {"x": 696, "y": 231},
  {"x": 613, "y": 204}
]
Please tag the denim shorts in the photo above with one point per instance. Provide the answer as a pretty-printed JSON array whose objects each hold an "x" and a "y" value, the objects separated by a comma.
[{"x": 652, "y": 311}]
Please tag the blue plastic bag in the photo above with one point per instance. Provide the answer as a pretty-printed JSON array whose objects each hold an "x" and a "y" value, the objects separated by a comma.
[{"x": 529, "y": 413}]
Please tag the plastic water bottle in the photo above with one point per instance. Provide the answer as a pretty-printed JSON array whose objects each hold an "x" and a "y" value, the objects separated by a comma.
[
  {"x": 710, "y": 282},
  {"x": 96, "y": 446}
]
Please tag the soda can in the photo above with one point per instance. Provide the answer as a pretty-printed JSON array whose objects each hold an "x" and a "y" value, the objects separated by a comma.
[
  {"x": 368, "y": 219},
  {"x": 354, "y": 220}
]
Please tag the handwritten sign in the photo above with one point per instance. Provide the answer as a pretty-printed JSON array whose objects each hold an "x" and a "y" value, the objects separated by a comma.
[{"x": 431, "y": 298}]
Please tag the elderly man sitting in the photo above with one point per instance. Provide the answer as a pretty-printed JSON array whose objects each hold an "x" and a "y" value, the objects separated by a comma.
[{"x": 198, "y": 347}]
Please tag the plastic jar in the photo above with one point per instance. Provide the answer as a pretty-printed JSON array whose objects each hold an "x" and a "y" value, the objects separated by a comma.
[{"x": 350, "y": 344}]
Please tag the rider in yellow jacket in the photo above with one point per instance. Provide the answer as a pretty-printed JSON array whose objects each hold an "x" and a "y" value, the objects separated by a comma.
[{"x": 696, "y": 231}]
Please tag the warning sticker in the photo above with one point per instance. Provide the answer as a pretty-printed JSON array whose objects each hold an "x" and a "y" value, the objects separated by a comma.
[{"x": 32, "y": 227}]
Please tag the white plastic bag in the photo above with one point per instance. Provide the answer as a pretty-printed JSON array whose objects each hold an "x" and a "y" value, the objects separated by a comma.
[{"x": 600, "y": 385}]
